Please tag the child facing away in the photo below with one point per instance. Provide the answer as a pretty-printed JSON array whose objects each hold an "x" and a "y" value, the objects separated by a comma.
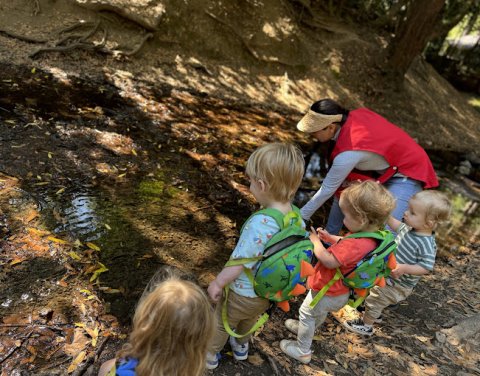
[
  {"x": 172, "y": 329},
  {"x": 366, "y": 207},
  {"x": 416, "y": 251},
  {"x": 275, "y": 171}
]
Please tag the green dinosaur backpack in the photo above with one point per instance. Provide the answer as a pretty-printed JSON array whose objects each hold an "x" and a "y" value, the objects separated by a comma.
[
  {"x": 284, "y": 265},
  {"x": 371, "y": 270}
]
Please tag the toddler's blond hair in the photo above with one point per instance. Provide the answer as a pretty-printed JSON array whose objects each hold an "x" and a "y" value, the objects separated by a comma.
[
  {"x": 280, "y": 166},
  {"x": 172, "y": 329},
  {"x": 437, "y": 205},
  {"x": 370, "y": 201}
]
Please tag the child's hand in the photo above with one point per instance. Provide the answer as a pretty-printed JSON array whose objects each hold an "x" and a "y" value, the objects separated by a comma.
[
  {"x": 325, "y": 236},
  {"x": 215, "y": 291},
  {"x": 314, "y": 236},
  {"x": 398, "y": 271}
]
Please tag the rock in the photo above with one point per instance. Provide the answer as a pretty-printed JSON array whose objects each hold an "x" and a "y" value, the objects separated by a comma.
[
  {"x": 465, "y": 167},
  {"x": 147, "y": 13}
]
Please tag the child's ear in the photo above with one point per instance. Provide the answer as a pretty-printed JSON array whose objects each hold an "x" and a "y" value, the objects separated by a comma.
[
  {"x": 262, "y": 185},
  {"x": 430, "y": 224}
]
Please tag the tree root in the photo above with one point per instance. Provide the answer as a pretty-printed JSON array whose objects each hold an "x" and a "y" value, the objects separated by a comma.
[
  {"x": 79, "y": 41},
  {"x": 22, "y": 37},
  {"x": 247, "y": 46},
  {"x": 36, "y": 7}
]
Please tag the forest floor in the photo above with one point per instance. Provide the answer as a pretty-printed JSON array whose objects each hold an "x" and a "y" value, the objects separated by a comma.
[{"x": 112, "y": 167}]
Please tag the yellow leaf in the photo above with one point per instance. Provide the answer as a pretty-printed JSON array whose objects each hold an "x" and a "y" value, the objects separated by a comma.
[
  {"x": 107, "y": 226},
  {"x": 93, "y": 246},
  {"x": 50, "y": 154},
  {"x": 39, "y": 177},
  {"x": 35, "y": 231},
  {"x": 77, "y": 243},
  {"x": 80, "y": 324},
  {"x": 122, "y": 175},
  {"x": 94, "y": 334},
  {"x": 10, "y": 121},
  {"x": 33, "y": 70},
  {"x": 60, "y": 191},
  {"x": 56, "y": 240},
  {"x": 90, "y": 297},
  {"x": 317, "y": 338},
  {"x": 97, "y": 272},
  {"x": 134, "y": 152},
  {"x": 86, "y": 291},
  {"x": 16, "y": 261},
  {"x": 74, "y": 255},
  {"x": 42, "y": 183},
  {"x": 79, "y": 359}
]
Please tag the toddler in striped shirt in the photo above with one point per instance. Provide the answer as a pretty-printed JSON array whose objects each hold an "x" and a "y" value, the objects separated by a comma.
[{"x": 416, "y": 253}]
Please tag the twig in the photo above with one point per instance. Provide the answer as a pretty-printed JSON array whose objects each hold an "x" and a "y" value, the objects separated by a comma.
[
  {"x": 15, "y": 348},
  {"x": 273, "y": 365},
  {"x": 22, "y": 37},
  {"x": 56, "y": 327}
]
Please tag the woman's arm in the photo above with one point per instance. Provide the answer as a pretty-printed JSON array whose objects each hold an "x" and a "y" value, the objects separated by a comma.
[{"x": 342, "y": 165}]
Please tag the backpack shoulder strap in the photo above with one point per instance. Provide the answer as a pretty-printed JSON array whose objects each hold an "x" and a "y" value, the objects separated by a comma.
[{"x": 379, "y": 235}]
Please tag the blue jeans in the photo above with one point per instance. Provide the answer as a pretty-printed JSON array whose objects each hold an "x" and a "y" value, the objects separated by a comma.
[{"x": 401, "y": 188}]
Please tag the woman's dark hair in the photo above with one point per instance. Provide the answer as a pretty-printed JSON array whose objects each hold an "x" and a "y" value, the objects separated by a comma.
[{"x": 330, "y": 107}]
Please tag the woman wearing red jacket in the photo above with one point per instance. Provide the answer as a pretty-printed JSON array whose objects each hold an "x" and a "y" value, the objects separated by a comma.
[{"x": 367, "y": 146}]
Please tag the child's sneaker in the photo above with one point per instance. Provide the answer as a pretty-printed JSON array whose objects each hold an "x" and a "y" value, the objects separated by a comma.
[
  {"x": 212, "y": 360},
  {"x": 292, "y": 325},
  {"x": 291, "y": 349},
  {"x": 240, "y": 352},
  {"x": 359, "y": 327}
]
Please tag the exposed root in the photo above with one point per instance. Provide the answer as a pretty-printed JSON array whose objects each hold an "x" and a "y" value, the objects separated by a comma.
[
  {"x": 80, "y": 41},
  {"x": 247, "y": 46},
  {"x": 36, "y": 7},
  {"x": 22, "y": 37}
]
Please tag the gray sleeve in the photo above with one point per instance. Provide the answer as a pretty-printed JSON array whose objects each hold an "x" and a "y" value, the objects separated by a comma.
[{"x": 342, "y": 165}]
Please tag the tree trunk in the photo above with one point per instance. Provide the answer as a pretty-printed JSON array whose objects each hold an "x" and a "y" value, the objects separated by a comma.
[{"x": 414, "y": 33}]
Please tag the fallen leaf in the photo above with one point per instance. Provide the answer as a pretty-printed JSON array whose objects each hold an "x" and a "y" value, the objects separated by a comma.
[
  {"x": 93, "y": 246},
  {"x": 74, "y": 255},
  {"x": 56, "y": 240},
  {"x": 79, "y": 359},
  {"x": 17, "y": 261},
  {"x": 97, "y": 272}
]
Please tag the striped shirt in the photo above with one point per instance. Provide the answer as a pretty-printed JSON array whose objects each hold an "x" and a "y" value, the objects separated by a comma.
[{"x": 414, "y": 249}]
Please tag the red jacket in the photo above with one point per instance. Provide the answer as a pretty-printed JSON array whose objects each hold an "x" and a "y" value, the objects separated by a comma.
[{"x": 367, "y": 131}]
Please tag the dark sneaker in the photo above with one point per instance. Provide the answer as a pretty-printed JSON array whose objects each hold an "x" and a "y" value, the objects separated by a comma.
[
  {"x": 358, "y": 326},
  {"x": 240, "y": 352}
]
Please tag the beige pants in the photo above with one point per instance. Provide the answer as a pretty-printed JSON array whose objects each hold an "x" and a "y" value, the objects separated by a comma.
[
  {"x": 242, "y": 312},
  {"x": 381, "y": 297}
]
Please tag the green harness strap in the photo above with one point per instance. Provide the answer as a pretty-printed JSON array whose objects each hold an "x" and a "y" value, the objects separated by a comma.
[
  {"x": 282, "y": 222},
  {"x": 338, "y": 274}
]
